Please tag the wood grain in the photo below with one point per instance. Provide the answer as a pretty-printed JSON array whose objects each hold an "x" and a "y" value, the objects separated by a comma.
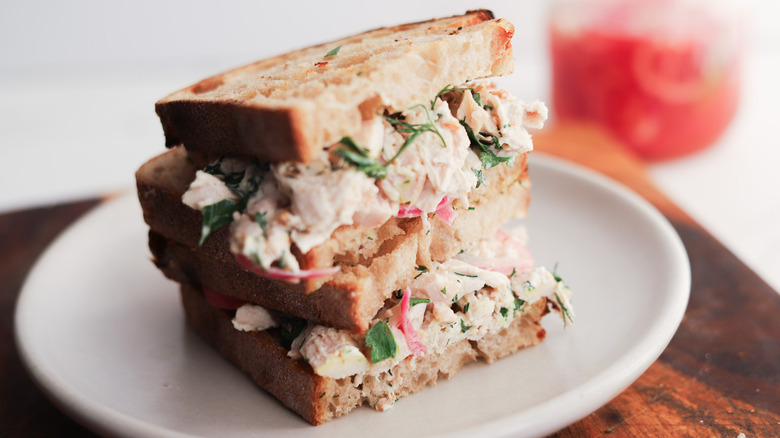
[
  {"x": 720, "y": 375},
  {"x": 24, "y": 410}
]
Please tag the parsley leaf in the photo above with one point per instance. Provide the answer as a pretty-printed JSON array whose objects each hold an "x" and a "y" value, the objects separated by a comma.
[
  {"x": 567, "y": 316},
  {"x": 504, "y": 311},
  {"x": 555, "y": 273},
  {"x": 333, "y": 52},
  {"x": 358, "y": 158},
  {"x": 413, "y": 129},
  {"x": 487, "y": 157},
  {"x": 262, "y": 221},
  {"x": 518, "y": 304},
  {"x": 414, "y": 301},
  {"x": 480, "y": 177},
  {"x": 463, "y": 327},
  {"x": 446, "y": 90},
  {"x": 381, "y": 341},
  {"x": 422, "y": 269},
  {"x": 477, "y": 98},
  {"x": 217, "y": 215},
  {"x": 465, "y": 275}
]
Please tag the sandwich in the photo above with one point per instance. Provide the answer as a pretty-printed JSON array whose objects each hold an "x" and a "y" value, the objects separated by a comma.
[{"x": 335, "y": 215}]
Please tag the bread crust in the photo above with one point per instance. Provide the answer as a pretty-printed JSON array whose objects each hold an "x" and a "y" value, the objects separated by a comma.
[
  {"x": 319, "y": 399},
  {"x": 289, "y": 107}
]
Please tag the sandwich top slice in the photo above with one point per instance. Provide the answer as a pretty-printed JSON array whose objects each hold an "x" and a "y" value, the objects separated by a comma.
[{"x": 289, "y": 107}]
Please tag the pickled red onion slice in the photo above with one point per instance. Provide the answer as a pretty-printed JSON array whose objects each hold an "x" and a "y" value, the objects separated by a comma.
[
  {"x": 412, "y": 338},
  {"x": 281, "y": 274}
]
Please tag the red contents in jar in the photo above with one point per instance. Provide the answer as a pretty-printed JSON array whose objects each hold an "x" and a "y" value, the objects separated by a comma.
[{"x": 663, "y": 95}]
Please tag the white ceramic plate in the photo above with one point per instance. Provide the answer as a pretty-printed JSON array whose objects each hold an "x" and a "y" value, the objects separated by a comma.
[{"x": 101, "y": 331}]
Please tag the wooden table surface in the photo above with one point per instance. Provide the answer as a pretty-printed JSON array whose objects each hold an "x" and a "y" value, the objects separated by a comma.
[{"x": 719, "y": 376}]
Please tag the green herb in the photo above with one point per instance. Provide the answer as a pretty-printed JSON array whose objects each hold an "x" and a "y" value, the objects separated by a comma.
[
  {"x": 358, "y": 158},
  {"x": 381, "y": 341},
  {"x": 565, "y": 313},
  {"x": 518, "y": 304},
  {"x": 415, "y": 301},
  {"x": 528, "y": 285},
  {"x": 487, "y": 106},
  {"x": 333, "y": 52},
  {"x": 322, "y": 395},
  {"x": 215, "y": 216},
  {"x": 480, "y": 177},
  {"x": 422, "y": 269},
  {"x": 446, "y": 90},
  {"x": 472, "y": 208},
  {"x": 444, "y": 291},
  {"x": 514, "y": 271},
  {"x": 465, "y": 275},
  {"x": 262, "y": 221},
  {"x": 504, "y": 311},
  {"x": 555, "y": 273},
  {"x": 477, "y": 98},
  {"x": 466, "y": 307},
  {"x": 489, "y": 159},
  {"x": 455, "y": 298},
  {"x": 608, "y": 431},
  {"x": 463, "y": 327},
  {"x": 486, "y": 156},
  {"x": 413, "y": 130}
]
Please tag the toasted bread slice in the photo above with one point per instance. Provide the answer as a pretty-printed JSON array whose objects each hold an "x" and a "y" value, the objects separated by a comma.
[
  {"x": 374, "y": 262},
  {"x": 287, "y": 108},
  {"x": 319, "y": 399}
]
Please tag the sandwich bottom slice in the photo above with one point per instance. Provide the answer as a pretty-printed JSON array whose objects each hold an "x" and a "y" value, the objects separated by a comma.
[
  {"x": 318, "y": 399},
  {"x": 465, "y": 309}
]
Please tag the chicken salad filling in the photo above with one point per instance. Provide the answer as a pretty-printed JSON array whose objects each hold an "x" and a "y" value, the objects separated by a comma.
[
  {"x": 446, "y": 303},
  {"x": 412, "y": 163}
]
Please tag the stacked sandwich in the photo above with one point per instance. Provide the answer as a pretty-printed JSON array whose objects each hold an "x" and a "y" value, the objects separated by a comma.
[{"x": 333, "y": 215}]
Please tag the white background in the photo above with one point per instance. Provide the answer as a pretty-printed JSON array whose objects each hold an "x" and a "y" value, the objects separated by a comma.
[{"x": 78, "y": 82}]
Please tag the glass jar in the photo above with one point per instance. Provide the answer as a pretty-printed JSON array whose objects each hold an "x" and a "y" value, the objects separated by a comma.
[{"x": 662, "y": 75}]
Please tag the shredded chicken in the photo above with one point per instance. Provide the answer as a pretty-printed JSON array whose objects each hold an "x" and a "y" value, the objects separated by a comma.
[{"x": 301, "y": 204}]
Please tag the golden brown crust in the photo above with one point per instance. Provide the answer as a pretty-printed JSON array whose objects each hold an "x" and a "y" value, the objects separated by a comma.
[
  {"x": 289, "y": 107},
  {"x": 258, "y": 354}
]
